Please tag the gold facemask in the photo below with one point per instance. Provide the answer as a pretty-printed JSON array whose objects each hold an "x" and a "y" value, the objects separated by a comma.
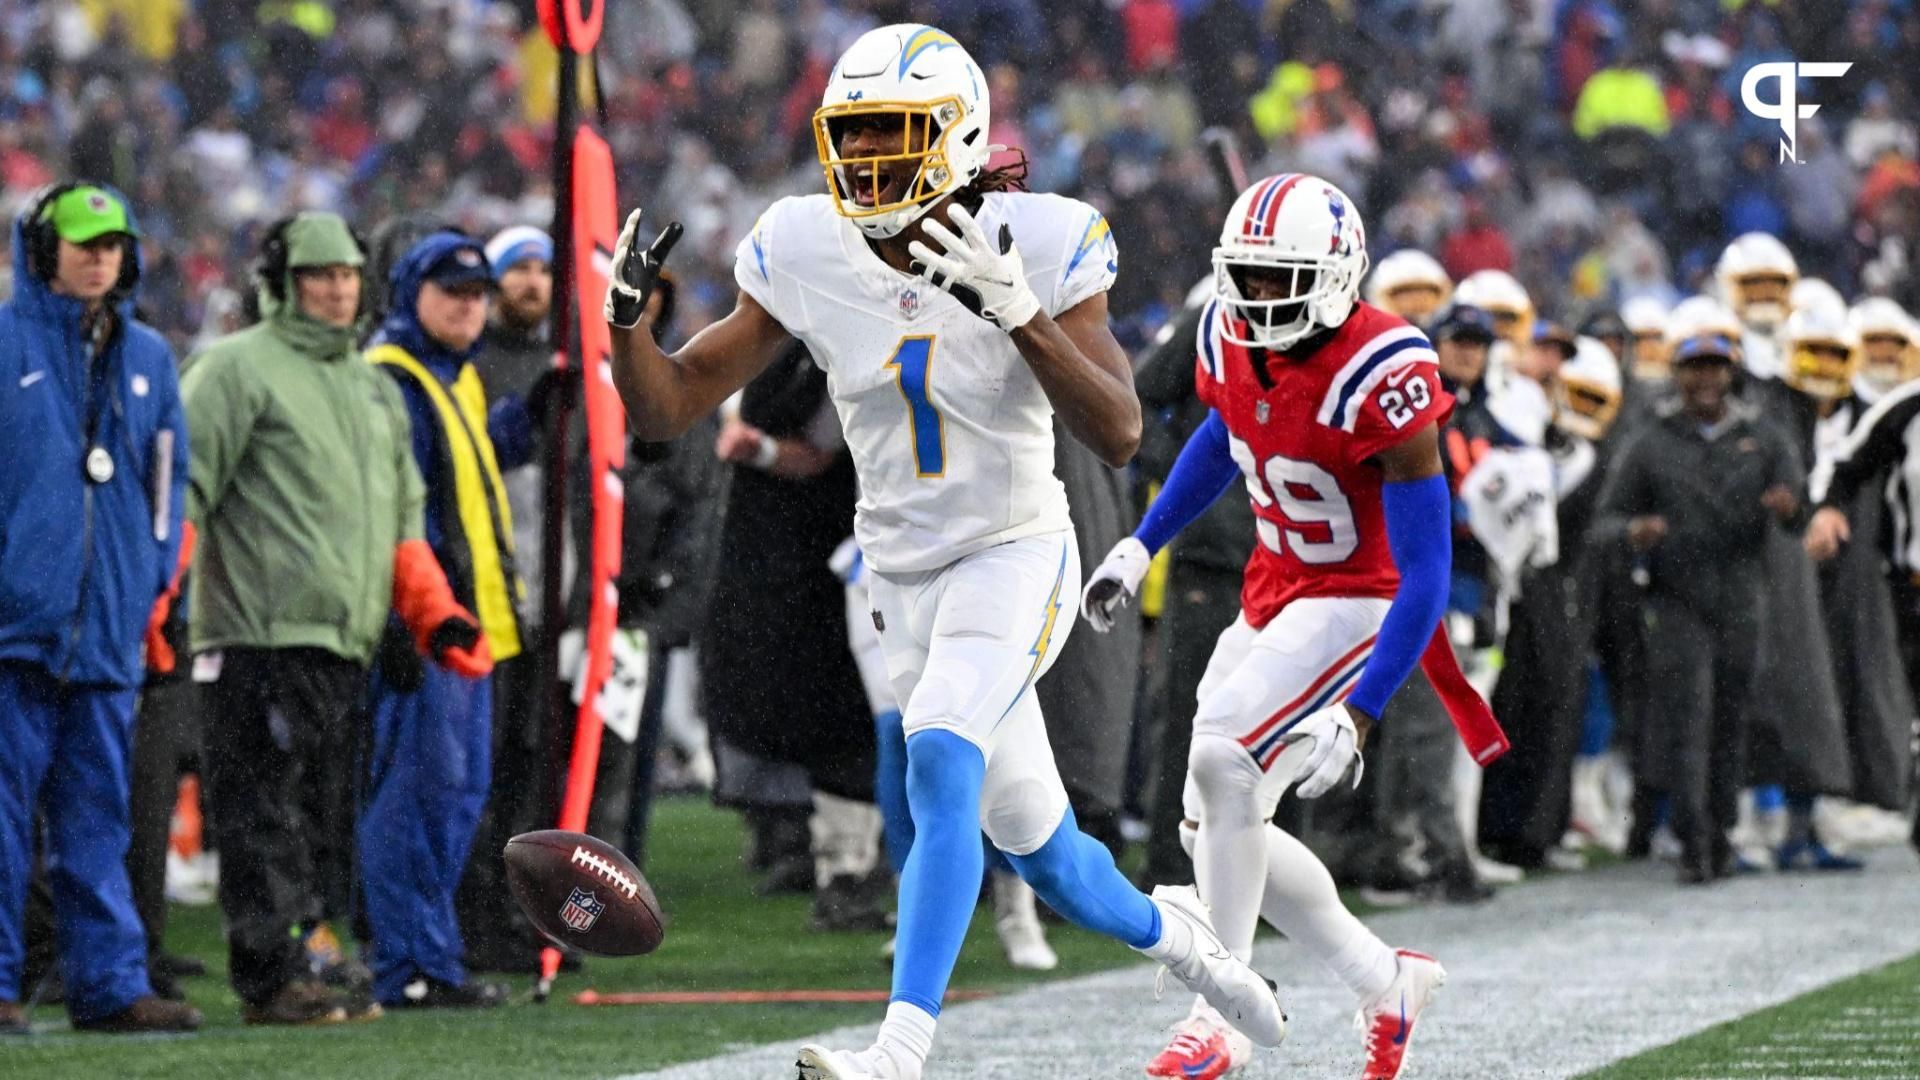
[
  {"x": 1416, "y": 302},
  {"x": 1586, "y": 409},
  {"x": 1763, "y": 299},
  {"x": 1887, "y": 360},
  {"x": 924, "y": 127},
  {"x": 1512, "y": 324},
  {"x": 1651, "y": 357},
  {"x": 1822, "y": 369}
]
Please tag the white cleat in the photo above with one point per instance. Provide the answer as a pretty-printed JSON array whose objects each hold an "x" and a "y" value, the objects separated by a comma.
[
  {"x": 820, "y": 1063},
  {"x": 1204, "y": 1046},
  {"x": 1387, "y": 1022},
  {"x": 1017, "y": 922},
  {"x": 1244, "y": 997}
]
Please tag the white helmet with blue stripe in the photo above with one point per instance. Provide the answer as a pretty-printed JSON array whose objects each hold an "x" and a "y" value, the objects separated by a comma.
[
  {"x": 917, "y": 81},
  {"x": 1299, "y": 228}
]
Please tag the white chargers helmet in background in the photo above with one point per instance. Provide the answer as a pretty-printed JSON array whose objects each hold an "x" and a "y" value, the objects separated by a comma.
[
  {"x": 1756, "y": 273},
  {"x": 1701, "y": 314},
  {"x": 1889, "y": 345},
  {"x": 1304, "y": 230},
  {"x": 1501, "y": 296},
  {"x": 1411, "y": 284},
  {"x": 920, "y": 79},
  {"x": 1587, "y": 392},
  {"x": 1646, "y": 321},
  {"x": 1813, "y": 292},
  {"x": 1822, "y": 352}
]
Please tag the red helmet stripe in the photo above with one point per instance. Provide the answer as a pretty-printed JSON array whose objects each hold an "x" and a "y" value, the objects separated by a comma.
[
  {"x": 1254, "y": 204},
  {"x": 1280, "y": 196}
]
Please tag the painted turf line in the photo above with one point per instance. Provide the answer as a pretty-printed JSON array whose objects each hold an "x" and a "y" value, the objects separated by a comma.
[{"x": 1549, "y": 980}]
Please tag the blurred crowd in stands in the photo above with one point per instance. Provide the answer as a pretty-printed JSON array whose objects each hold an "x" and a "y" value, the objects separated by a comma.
[
  {"x": 1598, "y": 149},
  {"x": 1576, "y": 173}
]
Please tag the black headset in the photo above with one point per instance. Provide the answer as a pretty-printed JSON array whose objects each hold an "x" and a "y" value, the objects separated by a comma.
[
  {"x": 43, "y": 240},
  {"x": 270, "y": 266}
]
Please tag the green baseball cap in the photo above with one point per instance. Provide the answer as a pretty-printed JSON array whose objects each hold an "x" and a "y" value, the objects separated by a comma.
[{"x": 87, "y": 213}]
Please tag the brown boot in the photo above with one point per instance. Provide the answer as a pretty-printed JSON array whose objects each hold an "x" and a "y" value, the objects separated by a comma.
[
  {"x": 13, "y": 1019},
  {"x": 298, "y": 1002},
  {"x": 146, "y": 1014}
]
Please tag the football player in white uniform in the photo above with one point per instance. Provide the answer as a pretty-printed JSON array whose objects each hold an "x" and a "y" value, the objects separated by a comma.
[{"x": 954, "y": 315}]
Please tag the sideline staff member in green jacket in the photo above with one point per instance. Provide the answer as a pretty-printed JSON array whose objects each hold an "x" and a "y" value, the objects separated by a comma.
[{"x": 309, "y": 509}]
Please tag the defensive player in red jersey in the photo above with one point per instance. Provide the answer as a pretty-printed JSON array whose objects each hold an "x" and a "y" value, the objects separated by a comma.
[{"x": 1330, "y": 410}]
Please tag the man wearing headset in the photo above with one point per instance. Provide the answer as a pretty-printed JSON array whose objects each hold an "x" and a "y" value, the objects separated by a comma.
[
  {"x": 90, "y": 535},
  {"x": 306, "y": 495}
]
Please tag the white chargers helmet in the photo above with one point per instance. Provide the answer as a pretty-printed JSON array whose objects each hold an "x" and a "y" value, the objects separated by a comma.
[
  {"x": 1411, "y": 284},
  {"x": 1306, "y": 232},
  {"x": 1701, "y": 314},
  {"x": 1813, "y": 292},
  {"x": 916, "y": 80},
  {"x": 1646, "y": 319},
  {"x": 1587, "y": 392},
  {"x": 1756, "y": 273},
  {"x": 1501, "y": 296},
  {"x": 1823, "y": 354},
  {"x": 1889, "y": 344}
]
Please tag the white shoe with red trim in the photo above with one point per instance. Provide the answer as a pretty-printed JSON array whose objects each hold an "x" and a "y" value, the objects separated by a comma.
[
  {"x": 1387, "y": 1022},
  {"x": 1204, "y": 1046}
]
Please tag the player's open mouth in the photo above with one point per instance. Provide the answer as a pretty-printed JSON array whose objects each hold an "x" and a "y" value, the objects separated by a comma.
[{"x": 866, "y": 192}]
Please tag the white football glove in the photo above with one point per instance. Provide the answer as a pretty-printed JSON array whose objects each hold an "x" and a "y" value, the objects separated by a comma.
[
  {"x": 1335, "y": 750},
  {"x": 635, "y": 273},
  {"x": 1114, "y": 584},
  {"x": 988, "y": 280}
]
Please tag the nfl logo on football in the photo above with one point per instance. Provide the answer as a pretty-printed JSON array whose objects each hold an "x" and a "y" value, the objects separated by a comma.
[{"x": 581, "y": 911}]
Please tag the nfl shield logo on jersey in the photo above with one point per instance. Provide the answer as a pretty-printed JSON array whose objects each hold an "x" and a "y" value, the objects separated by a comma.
[
  {"x": 1261, "y": 411},
  {"x": 581, "y": 911},
  {"x": 910, "y": 301}
]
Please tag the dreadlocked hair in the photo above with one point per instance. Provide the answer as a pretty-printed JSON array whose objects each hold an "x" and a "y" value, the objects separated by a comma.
[{"x": 1009, "y": 177}]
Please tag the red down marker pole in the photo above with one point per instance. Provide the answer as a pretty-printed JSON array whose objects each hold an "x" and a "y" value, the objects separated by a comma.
[{"x": 584, "y": 234}]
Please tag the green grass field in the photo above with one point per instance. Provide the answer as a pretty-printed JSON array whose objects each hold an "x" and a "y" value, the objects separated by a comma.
[
  {"x": 720, "y": 937},
  {"x": 1866, "y": 1026}
]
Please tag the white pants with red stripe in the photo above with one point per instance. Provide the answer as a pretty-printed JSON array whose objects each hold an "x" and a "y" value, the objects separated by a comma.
[
  {"x": 1258, "y": 686},
  {"x": 1260, "y": 683}
]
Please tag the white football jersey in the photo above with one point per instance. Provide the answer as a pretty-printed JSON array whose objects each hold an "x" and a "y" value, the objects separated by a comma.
[{"x": 948, "y": 427}]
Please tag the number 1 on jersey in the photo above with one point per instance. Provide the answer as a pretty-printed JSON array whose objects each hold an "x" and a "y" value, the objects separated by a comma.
[{"x": 912, "y": 359}]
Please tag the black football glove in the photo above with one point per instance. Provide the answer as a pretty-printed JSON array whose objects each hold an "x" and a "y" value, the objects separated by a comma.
[{"x": 636, "y": 272}]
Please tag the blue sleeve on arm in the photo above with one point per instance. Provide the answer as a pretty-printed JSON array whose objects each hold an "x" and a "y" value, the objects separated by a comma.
[
  {"x": 1200, "y": 475},
  {"x": 1421, "y": 538}
]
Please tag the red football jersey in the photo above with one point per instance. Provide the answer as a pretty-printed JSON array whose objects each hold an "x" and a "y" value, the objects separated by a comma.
[{"x": 1303, "y": 445}]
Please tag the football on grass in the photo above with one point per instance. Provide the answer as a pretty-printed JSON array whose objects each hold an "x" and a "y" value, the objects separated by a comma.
[{"x": 583, "y": 893}]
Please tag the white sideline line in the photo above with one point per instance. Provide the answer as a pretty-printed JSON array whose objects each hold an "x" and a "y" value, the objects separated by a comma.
[{"x": 1550, "y": 980}]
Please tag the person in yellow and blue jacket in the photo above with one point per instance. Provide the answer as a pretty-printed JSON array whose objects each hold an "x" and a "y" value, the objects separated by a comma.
[{"x": 432, "y": 723}]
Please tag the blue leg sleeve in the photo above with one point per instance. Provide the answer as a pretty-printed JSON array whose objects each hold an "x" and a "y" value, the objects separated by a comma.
[
  {"x": 1075, "y": 875},
  {"x": 941, "y": 880},
  {"x": 996, "y": 859},
  {"x": 890, "y": 789}
]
